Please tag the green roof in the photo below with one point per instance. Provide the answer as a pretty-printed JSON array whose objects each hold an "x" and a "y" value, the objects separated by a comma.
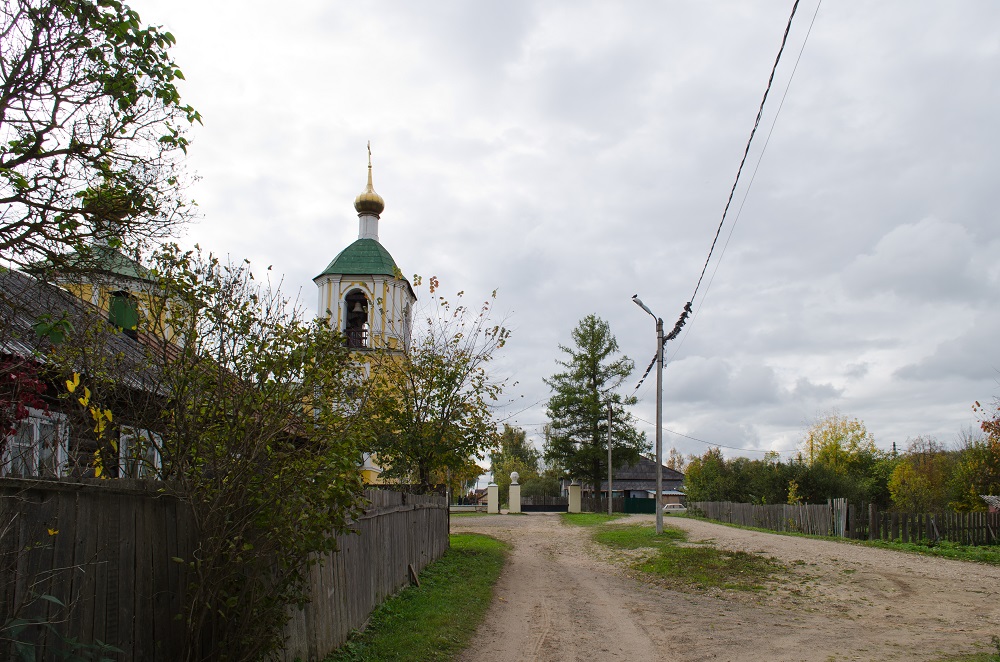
[
  {"x": 100, "y": 259},
  {"x": 363, "y": 257}
]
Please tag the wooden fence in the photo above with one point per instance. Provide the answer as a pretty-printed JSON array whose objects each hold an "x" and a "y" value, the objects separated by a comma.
[
  {"x": 803, "y": 518},
  {"x": 397, "y": 532},
  {"x": 964, "y": 528},
  {"x": 838, "y": 518},
  {"x": 106, "y": 550}
]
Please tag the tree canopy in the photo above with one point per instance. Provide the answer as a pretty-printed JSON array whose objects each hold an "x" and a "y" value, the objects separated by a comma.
[
  {"x": 91, "y": 130},
  {"x": 248, "y": 410},
  {"x": 578, "y": 407},
  {"x": 431, "y": 407},
  {"x": 515, "y": 453}
]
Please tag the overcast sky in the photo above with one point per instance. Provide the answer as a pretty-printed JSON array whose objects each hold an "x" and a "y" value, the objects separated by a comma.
[{"x": 575, "y": 153}]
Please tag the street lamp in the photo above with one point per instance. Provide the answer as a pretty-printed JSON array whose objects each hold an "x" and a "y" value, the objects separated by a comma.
[{"x": 659, "y": 411}]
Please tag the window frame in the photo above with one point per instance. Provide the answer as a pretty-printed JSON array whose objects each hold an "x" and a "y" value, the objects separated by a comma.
[
  {"x": 36, "y": 460},
  {"x": 127, "y": 434}
]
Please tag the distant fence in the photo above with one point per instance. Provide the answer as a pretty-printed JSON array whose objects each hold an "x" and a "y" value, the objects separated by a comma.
[
  {"x": 107, "y": 548},
  {"x": 542, "y": 504},
  {"x": 839, "y": 518},
  {"x": 618, "y": 505}
]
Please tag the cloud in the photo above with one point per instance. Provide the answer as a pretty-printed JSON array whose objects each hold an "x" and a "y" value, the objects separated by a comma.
[
  {"x": 970, "y": 355},
  {"x": 930, "y": 260}
]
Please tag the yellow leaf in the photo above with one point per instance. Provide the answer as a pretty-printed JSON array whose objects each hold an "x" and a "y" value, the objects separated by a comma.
[{"x": 53, "y": 532}]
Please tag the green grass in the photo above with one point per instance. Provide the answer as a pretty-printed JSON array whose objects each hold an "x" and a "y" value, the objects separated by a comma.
[
  {"x": 698, "y": 567},
  {"x": 634, "y": 537},
  {"x": 436, "y": 620},
  {"x": 470, "y": 514},
  {"x": 588, "y": 519}
]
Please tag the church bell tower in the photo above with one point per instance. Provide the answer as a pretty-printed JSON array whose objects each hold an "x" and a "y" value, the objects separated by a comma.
[{"x": 362, "y": 292}]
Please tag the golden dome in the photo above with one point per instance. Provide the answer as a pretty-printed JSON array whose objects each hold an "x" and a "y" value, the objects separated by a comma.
[{"x": 368, "y": 201}]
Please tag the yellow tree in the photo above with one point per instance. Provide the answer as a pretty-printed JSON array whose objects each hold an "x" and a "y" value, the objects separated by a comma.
[{"x": 431, "y": 409}]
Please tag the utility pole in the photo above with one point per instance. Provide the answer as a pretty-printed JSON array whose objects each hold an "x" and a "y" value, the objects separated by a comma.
[
  {"x": 659, "y": 411},
  {"x": 659, "y": 425},
  {"x": 610, "y": 492}
]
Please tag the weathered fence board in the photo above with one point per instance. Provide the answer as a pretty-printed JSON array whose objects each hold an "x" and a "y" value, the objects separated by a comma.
[
  {"x": 838, "y": 518},
  {"x": 106, "y": 550},
  {"x": 815, "y": 519}
]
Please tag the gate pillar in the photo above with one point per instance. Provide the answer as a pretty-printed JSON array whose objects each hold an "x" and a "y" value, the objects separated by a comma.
[
  {"x": 574, "y": 498},
  {"x": 493, "y": 499}
]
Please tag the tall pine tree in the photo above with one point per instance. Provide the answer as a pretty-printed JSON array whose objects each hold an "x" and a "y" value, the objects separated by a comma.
[{"x": 578, "y": 409}]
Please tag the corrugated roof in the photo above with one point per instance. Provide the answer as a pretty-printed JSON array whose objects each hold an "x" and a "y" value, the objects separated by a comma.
[{"x": 25, "y": 301}]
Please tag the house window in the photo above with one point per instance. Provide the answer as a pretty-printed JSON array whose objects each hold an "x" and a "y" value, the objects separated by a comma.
[
  {"x": 139, "y": 453},
  {"x": 38, "y": 447}
]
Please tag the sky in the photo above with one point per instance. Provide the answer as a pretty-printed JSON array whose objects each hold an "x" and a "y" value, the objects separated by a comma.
[{"x": 571, "y": 154}]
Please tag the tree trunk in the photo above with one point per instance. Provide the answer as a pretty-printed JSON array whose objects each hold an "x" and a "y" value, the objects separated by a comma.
[{"x": 595, "y": 477}]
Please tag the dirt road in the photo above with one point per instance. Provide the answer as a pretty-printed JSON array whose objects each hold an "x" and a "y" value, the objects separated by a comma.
[{"x": 562, "y": 597}]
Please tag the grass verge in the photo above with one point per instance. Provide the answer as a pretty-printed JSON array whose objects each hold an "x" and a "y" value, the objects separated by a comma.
[
  {"x": 989, "y": 554},
  {"x": 689, "y": 566},
  {"x": 478, "y": 513},
  {"x": 588, "y": 519},
  {"x": 436, "y": 620}
]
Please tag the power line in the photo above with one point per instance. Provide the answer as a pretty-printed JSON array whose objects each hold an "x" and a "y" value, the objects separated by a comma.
[
  {"x": 712, "y": 443},
  {"x": 760, "y": 158},
  {"x": 760, "y": 112},
  {"x": 507, "y": 418}
]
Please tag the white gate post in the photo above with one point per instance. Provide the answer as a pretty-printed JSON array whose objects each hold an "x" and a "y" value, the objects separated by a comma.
[
  {"x": 514, "y": 500},
  {"x": 493, "y": 498},
  {"x": 575, "y": 505}
]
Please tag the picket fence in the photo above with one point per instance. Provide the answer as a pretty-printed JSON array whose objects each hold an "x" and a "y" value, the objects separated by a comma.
[{"x": 107, "y": 549}]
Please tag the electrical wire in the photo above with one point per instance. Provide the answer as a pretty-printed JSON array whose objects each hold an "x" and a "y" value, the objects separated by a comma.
[
  {"x": 712, "y": 443},
  {"x": 732, "y": 192},
  {"x": 753, "y": 175}
]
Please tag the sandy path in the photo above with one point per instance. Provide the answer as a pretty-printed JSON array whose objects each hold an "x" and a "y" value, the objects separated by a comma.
[{"x": 561, "y": 598}]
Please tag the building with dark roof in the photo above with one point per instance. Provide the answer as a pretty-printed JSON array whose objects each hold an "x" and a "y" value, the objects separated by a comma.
[{"x": 638, "y": 481}]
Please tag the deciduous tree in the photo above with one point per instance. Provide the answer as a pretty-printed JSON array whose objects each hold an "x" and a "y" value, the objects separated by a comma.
[
  {"x": 919, "y": 483},
  {"x": 91, "y": 130},
  {"x": 514, "y": 454},
  {"x": 255, "y": 418},
  {"x": 977, "y": 468},
  {"x": 431, "y": 407}
]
